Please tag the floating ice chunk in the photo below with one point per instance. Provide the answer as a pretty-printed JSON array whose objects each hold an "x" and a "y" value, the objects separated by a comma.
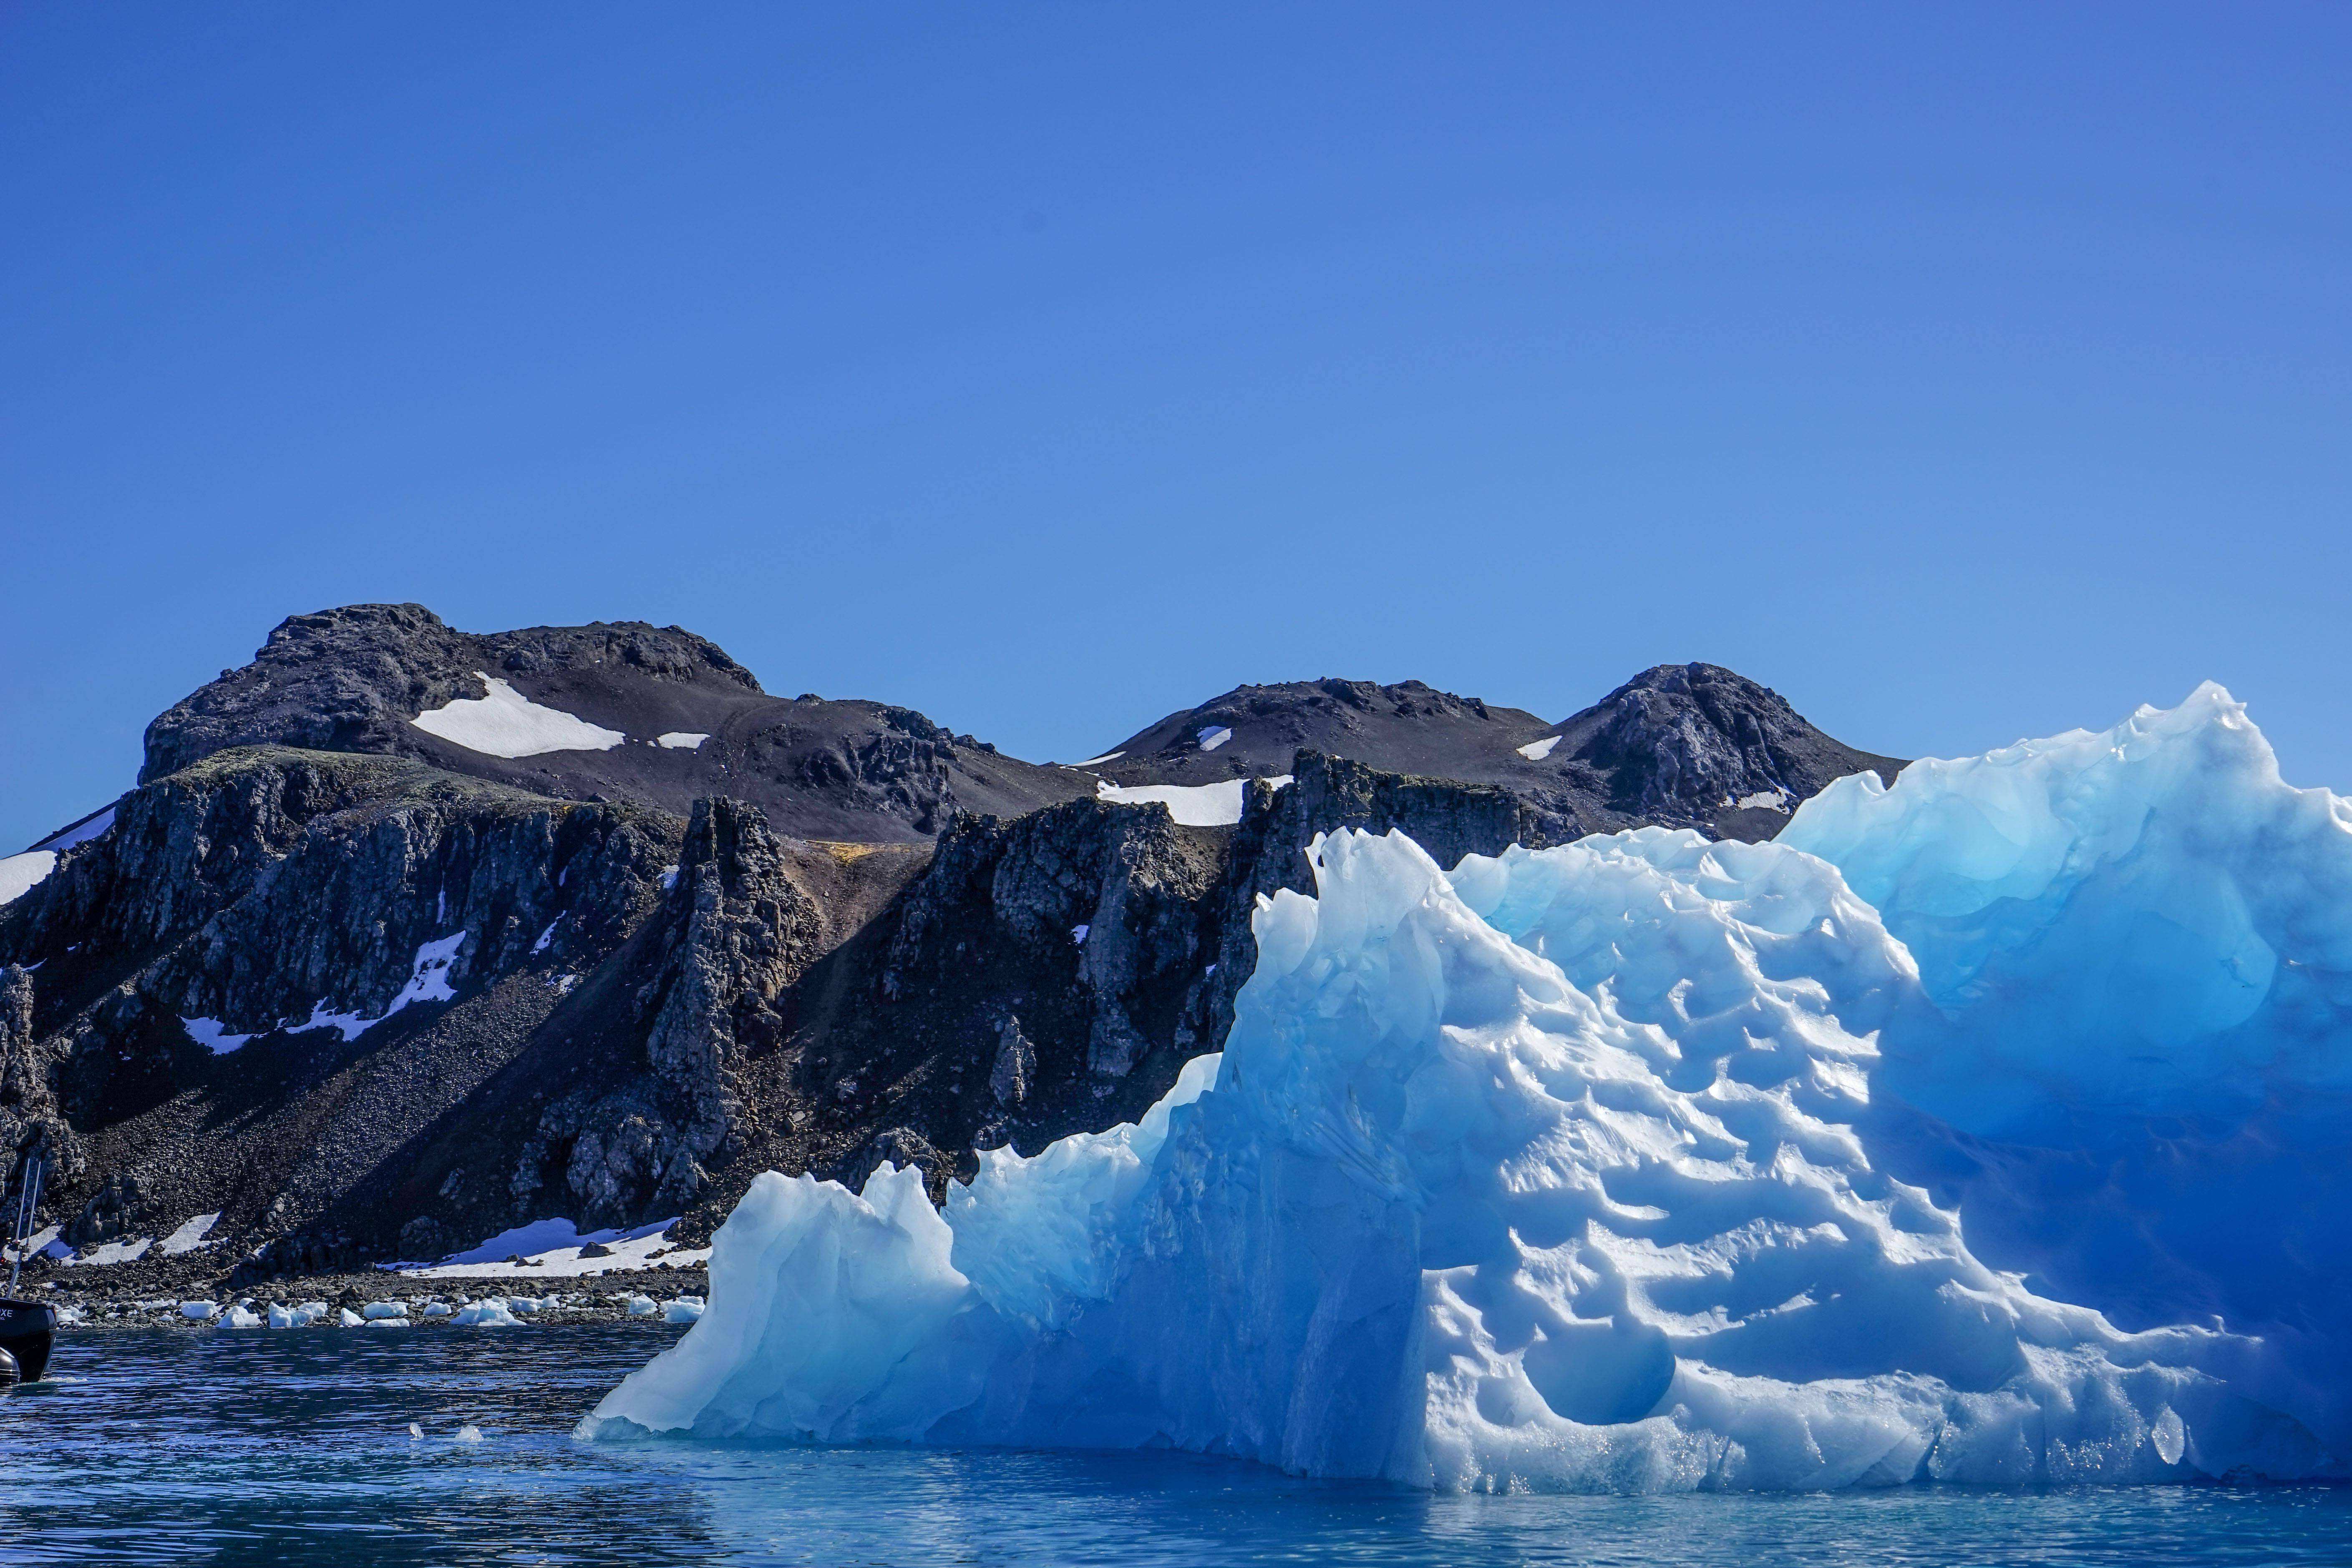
[
  {"x": 375, "y": 1309},
  {"x": 212, "y": 1035},
  {"x": 1196, "y": 805},
  {"x": 70, "y": 1313},
  {"x": 19, "y": 874},
  {"x": 506, "y": 724},
  {"x": 1537, "y": 750},
  {"x": 489, "y": 1314},
  {"x": 682, "y": 741},
  {"x": 347, "y": 1319},
  {"x": 468, "y": 1432},
  {"x": 2138, "y": 943},
  {"x": 400, "y": 1323},
  {"x": 1211, "y": 736},
  {"x": 436, "y": 1309},
  {"x": 640, "y": 1306},
  {"x": 243, "y": 1316},
  {"x": 1553, "y": 1172},
  {"x": 683, "y": 1309},
  {"x": 415, "y": 1431},
  {"x": 198, "y": 1311},
  {"x": 191, "y": 1236}
]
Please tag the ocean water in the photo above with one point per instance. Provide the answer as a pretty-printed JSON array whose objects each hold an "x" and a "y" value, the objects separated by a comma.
[{"x": 293, "y": 1448}]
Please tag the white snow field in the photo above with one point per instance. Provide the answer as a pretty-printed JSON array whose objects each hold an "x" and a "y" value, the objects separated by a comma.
[
  {"x": 1537, "y": 750},
  {"x": 1195, "y": 806},
  {"x": 19, "y": 874},
  {"x": 551, "y": 1248},
  {"x": 1580, "y": 1168},
  {"x": 506, "y": 724},
  {"x": 682, "y": 741},
  {"x": 190, "y": 1236}
]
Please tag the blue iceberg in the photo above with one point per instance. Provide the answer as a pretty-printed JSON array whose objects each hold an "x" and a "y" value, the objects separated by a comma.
[{"x": 1654, "y": 1164}]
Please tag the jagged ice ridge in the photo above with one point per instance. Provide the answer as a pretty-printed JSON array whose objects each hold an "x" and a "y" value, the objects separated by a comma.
[{"x": 1628, "y": 1165}]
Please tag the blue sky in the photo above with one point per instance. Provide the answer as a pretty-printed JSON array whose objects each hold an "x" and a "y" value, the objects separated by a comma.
[{"x": 1963, "y": 374}]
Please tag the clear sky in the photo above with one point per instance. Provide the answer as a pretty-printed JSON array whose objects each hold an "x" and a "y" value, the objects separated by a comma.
[{"x": 1963, "y": 372}]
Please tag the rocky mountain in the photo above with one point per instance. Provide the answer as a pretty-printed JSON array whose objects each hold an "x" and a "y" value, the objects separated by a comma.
[
  {"x": 622, "y": 711},
  {"x": 361, "y": 988},
  {"x": 1689, "y": 745}
]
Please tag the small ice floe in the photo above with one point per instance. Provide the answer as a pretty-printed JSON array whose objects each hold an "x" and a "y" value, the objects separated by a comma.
[
  {"x": 1537, "y": 750},
  {"x": 641, "y": 1306},
  {"x": 489, "y": 1314},
  {"x": 375, "y": 1309},
  {"x": 684, "y": 1309},
  {"x": 681, "y": 741},
  {"x": 198, "y": 1311},
  {"x": 468, "y": 1432},
  {"x": 71, "y": 1314},
  {"x": 243, "y": 1316},
  {"x": 387, "y": 1323},
  {"x": 347, "y": 1319},
  {"x": 506, "y": 724},
  {"x": 436, "y": 1309},
  {"x": 415, "y": 1431}
]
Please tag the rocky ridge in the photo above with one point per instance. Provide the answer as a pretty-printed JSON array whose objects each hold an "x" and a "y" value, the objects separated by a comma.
[{"x": 362, "y": 1005}]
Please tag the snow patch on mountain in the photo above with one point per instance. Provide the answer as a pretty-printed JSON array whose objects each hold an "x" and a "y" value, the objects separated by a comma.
[
  {"x": 1537, "y": 750},
  {"x": 19, "y": 874},
  {"x": 428, "y": 981},
  {"x": 1195, "y": 806},
  {"x": 681, "y": 741},
  {"x": 506, "y": 724}
]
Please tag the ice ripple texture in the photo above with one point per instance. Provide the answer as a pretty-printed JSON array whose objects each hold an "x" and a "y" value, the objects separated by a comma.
[{"x": 1579, "y": 1169}]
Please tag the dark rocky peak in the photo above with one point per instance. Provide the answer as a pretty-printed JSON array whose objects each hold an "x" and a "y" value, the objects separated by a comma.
[
  {"x": 621, "y": 712},
  {"x": 1698, "y": 746},
  {"x": 1252, "y": 731},
  {"x": 351, "y": 680}
]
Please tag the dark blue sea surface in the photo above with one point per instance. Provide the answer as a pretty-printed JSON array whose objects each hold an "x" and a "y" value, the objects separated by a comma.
[{"x": 256, "y": 1447}]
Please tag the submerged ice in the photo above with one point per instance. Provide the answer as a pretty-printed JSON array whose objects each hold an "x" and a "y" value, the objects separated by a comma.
[{"x": 1648, "y": 1163}]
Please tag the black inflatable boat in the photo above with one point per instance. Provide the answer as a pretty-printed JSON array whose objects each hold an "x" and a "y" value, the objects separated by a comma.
[{"x": 26, "y": 1331}]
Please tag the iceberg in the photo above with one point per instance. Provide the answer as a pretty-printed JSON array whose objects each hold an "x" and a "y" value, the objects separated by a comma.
[{"x": 1635, "y": 1164}]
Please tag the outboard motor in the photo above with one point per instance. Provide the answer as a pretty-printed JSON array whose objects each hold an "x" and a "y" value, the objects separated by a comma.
[{"x": 28, "y": 1329}]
